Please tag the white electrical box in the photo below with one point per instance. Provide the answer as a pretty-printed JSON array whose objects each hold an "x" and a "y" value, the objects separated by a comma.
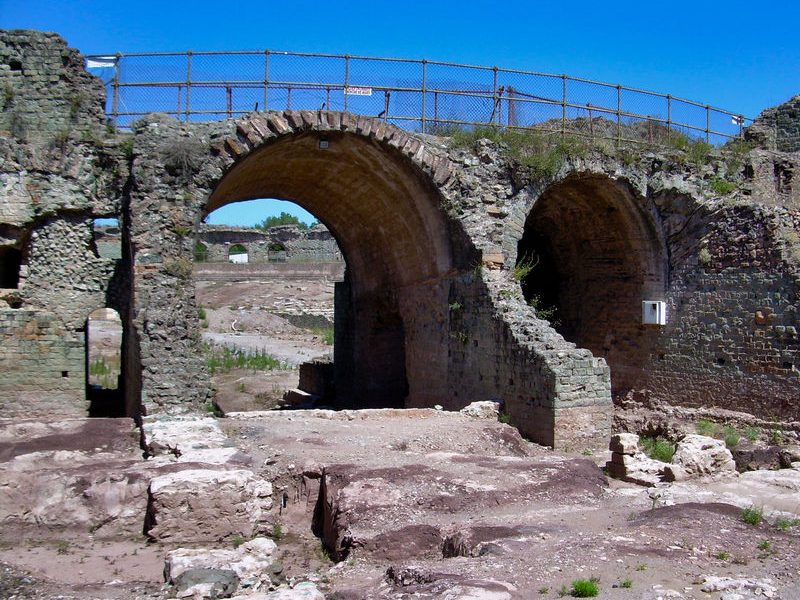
[{"x": 654, "y": 312}]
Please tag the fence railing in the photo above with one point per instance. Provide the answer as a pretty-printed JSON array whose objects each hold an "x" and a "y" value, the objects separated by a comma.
[{"x": 420, "y": 95}]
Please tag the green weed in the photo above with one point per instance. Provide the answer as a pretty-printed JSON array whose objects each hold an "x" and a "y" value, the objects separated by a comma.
[
  {"x": 657, "y": 448},
  {"x": 752, "y": 515},
  {"x": 221, "y": 359},
  {"x": 731, "y": 436},
  {"x": 752, "y": 433},
  {"x": 721, "y": 186},
  {"x": 585, "y": 588},
  {"x": 626, "y": 583},
  {"x": 706, "y": 427}
]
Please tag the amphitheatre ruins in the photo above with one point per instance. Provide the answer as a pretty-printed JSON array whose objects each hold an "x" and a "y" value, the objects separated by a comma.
[{"x": 611, "y": 289}]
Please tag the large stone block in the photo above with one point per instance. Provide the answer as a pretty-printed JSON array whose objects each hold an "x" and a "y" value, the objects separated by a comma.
[{"x": 200, "y": 505}]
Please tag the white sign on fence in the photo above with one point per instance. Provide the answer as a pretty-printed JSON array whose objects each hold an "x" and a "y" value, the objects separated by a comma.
[{"x": 358, "y": 91}]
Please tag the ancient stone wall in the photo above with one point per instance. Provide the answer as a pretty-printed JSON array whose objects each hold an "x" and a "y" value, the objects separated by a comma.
[
  {"x": 59, "y": 169},
  {"x": 283, "y": 243},
  {"x": 778, "y": 128},
  {"x": 433, "y": 310}
]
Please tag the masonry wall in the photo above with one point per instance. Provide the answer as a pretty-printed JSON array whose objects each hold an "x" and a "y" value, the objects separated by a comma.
[{"x": 59, "y": 169}]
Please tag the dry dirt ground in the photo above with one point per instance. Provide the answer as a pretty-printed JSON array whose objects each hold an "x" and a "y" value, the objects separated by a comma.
[
  {"x": 257, "y": 316},
  {"x": 411, "y": 504}
]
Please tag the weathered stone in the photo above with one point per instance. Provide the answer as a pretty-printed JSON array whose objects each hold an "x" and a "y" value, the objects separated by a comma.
[
  {"x": 483, "y": 410},
  {"x": 624, "y": 443},
  {"x": 201, "y": 505},
  {"x": 250, "y": 560},
  {"x": 699, "y": 456}
]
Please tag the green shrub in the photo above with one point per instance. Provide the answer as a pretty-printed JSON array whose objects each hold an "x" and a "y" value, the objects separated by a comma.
[
  {"x": 201, "y": 313},
  {"x": 657, "y": 448},
  {"x": 731, "y": 436},
  {"x": 626, "y": 583},
  {"x": 523, "y": 268},
  {"x": 585, "y": 588},
  {"x": 721, "y": 186},
  {"x": 752, "y": 515},
  {"x": 504, "y": 417}
]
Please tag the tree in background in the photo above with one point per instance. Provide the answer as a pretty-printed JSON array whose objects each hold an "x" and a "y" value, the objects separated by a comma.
[{"x": 282, "y": 219}]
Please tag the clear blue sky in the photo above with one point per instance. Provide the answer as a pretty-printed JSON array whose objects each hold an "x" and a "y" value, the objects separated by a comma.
[{"x": 741, "y": 56}]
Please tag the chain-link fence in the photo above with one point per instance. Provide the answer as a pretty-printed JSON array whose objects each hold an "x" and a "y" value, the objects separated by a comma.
[{"x": 418, "y": 95}]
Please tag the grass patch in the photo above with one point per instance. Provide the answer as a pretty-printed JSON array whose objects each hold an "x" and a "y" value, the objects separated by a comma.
[
  {"x": 706, "y": 427},
  {"x": 524, "y": 267},
  {"x": 326, "y": 333},
  {"x": 752, "y": 515},
  {"x": 585, "y": 588},
  {"x": 221, "y": 359},
  {"x": 731, "y": 436},
  {"x": 504, "y": 418},
  {"x": 723, "y": 555},
  {"x": 752, "y": 433},
  {"x": 237, "y": 540},
  {"x": 542, "y": 153},
  {"x": 277, "y": 532},
  {"x": 626, "y": 583},
  {"x": 784, "y": 523},
  {"x": 657, "y": 448}
]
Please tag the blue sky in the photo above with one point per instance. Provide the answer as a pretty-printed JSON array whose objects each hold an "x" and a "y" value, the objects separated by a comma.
[{"x": 735, "y": 55}]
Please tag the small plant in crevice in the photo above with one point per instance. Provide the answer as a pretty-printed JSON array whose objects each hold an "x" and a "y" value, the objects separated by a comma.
[
  {"x": 455, "y": 306},
  {"x": 721, "y": 186},
  {"x": 178, "y": 267},
  {"x": 704, "y": 257},
  {"x": 182, "y": 157},
  {"x": 657, "y": 448},
  {"x": 504, "y": 417},
  {"x": 460, "y": 336},
  {"x": 237, "y": 540},
  {"x": 277, "y": 532},
  {"x": 8, "y": 96},
  {"x": 723, "y": 555},
  {"x": 626, "y": 583},
  {"x": 524, "y": 267},
  {"x": 544, "y": 590},
  {"x": 752, "y": 515}
]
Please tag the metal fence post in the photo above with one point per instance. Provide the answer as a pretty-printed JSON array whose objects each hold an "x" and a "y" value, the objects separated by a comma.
[
  {"x": 266, "y": 79},
  {"x": 708, "y": 123},
  {"x": 115, "y": 90},
  {"x": 563, "y": 105},
  {"x": 669, "y": 117},
  {"x": 424, "y": 90},
  {"x": 496, "y": 109},
  {"x": 619, "y": 115},
  {"x": 188, "y": 82},
  {"x": 346, "y": 78}
]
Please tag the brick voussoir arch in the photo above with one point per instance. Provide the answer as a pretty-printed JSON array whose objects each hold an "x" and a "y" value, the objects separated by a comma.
[{"x": 255, "y": 129}]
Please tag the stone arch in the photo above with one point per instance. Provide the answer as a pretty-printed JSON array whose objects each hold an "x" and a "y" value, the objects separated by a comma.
[
  {"x": 374, "y": 187},
  {"x": 595, "y": 252},
  {"x": 238, "y": 253}
]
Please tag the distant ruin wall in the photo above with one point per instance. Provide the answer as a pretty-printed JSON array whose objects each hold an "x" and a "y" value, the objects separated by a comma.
[
  {"x": 282, "y": 243},
  {"x": 778, "y": 128}
]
